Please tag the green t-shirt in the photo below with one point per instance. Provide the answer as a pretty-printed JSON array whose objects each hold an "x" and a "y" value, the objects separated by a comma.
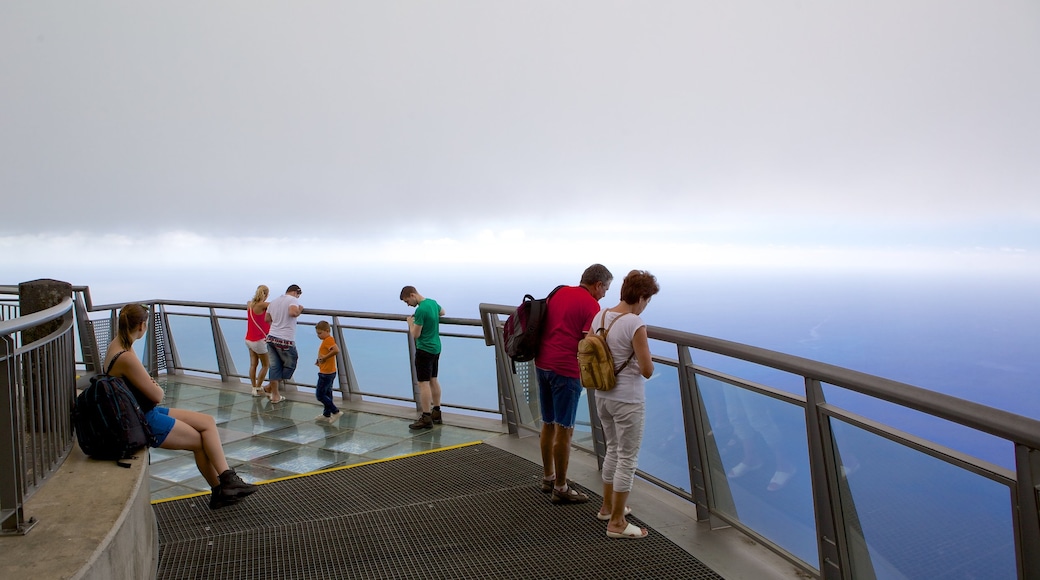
[{"x": 428, "y": 316}]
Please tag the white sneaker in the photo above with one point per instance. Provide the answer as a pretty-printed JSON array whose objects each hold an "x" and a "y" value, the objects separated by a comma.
[
  {"x": 335, "y": 416},
  {"x": 323, "y": 419}
]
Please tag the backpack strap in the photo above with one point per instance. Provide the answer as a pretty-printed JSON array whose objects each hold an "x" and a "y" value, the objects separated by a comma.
[
  {"x": 112, "y": 364},
  {"x": 606, "y": 331}
]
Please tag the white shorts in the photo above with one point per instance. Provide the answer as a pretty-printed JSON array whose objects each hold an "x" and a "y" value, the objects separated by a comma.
[{"x": 257, "y": 346}]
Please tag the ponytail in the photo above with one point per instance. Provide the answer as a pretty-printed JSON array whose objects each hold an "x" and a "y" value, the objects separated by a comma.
[
  {"x": 130, "y": 317},
  {"x": 260, "y": 295}
]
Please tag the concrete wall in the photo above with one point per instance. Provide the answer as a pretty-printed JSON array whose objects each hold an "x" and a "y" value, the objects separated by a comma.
[{"x": 95, "y": 521}]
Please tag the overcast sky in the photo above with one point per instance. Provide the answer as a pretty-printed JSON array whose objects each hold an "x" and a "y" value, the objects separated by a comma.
[{"x": 447, "y": 128}]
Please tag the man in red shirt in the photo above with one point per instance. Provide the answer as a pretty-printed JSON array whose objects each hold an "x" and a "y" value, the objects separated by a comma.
[{"x": 568, "y": 315}]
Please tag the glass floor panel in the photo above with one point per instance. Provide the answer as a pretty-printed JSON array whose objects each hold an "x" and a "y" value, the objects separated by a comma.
[{"x": 264, "y": 441}]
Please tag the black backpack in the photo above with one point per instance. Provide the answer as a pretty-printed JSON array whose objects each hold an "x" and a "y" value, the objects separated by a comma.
[
  {"x": 108, "y": 421},
  {"x": 522, "y": 332}
]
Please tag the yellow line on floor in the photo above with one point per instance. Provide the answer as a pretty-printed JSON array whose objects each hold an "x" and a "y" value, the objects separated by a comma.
[{"x": 329, "y": 470}]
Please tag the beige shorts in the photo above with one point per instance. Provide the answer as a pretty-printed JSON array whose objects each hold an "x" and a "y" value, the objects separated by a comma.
[{"x": 257, "y": 346}]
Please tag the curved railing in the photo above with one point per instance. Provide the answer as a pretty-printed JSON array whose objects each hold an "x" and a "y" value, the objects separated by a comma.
[
  {"x": 376, "y": 358},
  {"x": 37, "y": 389},
  {"x": 845, "y": 474},
  {"x": 761, "y": 448}
]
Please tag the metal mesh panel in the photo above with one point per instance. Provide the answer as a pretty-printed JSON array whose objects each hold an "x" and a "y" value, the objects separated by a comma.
[
  {"x": 471, "y": 512},
  {"x": 102, "y": 330},
  {"x": 160, "y": 342}
]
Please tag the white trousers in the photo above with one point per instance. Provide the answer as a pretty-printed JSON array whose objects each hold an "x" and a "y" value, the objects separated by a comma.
[{"x": 623, "y": 429}]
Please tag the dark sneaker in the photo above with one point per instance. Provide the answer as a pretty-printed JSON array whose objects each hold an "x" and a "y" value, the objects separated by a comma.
[
  {"x": 569, "y": 495},
  {"x": 232, "y": 486},
  {"x": 425, "y": 421},
  {"x": 217, "y": 500},
  {"x": 436, "y": 415}
]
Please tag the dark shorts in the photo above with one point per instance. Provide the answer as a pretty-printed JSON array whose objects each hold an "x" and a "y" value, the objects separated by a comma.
[
  {"x": 425, "y": 365},
  {"x": 558, "y": 398},
  {"x": 161, "y": 423}
]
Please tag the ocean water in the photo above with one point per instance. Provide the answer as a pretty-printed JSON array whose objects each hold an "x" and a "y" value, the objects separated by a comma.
[{"x": 971, "y": 336}]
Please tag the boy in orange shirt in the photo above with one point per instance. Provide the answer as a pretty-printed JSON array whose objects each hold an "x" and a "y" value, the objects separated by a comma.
[{"x": 326, "y": 362}]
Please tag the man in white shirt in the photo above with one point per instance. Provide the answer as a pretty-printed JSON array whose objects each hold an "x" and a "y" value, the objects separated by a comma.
[{"x": 282, "y": 313}]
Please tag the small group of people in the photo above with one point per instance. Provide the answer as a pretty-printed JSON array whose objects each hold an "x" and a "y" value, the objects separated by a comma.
[
  {"x": 271, "y": 339},
  {"x": 571, "y": 312}
]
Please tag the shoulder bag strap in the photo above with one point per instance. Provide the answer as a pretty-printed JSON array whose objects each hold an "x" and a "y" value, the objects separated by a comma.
[
  {"x": 250, "y": 315},
  {"x": 114, "y": 359},
  {"x": 607, "y": 331}
]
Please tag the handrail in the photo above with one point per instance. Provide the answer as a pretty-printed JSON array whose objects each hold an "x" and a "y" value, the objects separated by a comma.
[
  {"x": 969, "y": 413},
  {"x": 836, "y": 541},
  {"x": 28, "y": 321},
  {"x": 36, "y": 393}
]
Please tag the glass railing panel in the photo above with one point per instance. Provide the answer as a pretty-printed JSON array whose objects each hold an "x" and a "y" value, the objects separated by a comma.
[
  {"x": 949, "y": 434},
  {"x": 307, "y": 344},
  {"x": 467, "y": 373},
  {"x": 380, "y": 360},
  {"x": 235, "y": 337},
  {"x": 193, "y": 337},
  {"x": 663, "y": 452},
  {"x": 911, "y": 515},
  {"x": 763, "y": 480}
]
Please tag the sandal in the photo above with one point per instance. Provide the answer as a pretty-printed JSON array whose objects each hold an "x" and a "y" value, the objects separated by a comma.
[
  {"x": 548, "y": 484},
  {"x": 606, "y": 517},
  {"x": 741, "y": 469},
  {"x": 780, "y": 479},
  {"x": 569, "y": 495},
  {"x": 631, "y": 533}
]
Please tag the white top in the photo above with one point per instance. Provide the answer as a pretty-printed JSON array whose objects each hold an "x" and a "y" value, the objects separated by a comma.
[
  {"x": 630, "y": 387},
  {"x": 283, "y": 325}
]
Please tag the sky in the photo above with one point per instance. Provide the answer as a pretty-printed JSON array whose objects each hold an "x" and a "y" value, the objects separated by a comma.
[{"x": 900, "y": 134}]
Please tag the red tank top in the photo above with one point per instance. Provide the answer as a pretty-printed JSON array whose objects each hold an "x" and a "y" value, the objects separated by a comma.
[{"x": 256, "y": 327}]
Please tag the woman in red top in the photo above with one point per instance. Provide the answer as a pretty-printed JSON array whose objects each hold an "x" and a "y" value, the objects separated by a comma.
[{"x": 256, "y": 339}]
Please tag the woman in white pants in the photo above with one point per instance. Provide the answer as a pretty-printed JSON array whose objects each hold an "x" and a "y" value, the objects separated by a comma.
[{"x": 622, "y": 409}]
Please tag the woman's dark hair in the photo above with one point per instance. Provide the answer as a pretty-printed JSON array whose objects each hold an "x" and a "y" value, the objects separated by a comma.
[
  {"x": 638, "y": 284},
  {"x": 130, "y": 317}
]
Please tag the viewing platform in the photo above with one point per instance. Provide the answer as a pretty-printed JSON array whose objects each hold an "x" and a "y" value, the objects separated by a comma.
[{"x": 865, "y": 495}]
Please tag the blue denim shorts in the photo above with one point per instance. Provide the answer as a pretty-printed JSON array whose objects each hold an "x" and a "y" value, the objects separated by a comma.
[
  {"x": 160, "y": 422},
  {"x": 558, "y": 397},
  {"x": 283, "y": 362}
]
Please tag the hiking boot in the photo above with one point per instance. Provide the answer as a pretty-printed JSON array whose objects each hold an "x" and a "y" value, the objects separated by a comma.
[
  {"x": 568, "y": 495},
  {"x": 218, "y": 500},
  {"x": 232, "y": 486},
  {"x": 436, "y": 415},
  {"x": 425, "y": 421}
]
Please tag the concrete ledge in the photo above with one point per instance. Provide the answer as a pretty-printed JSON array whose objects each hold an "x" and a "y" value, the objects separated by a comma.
[{"x": 95, "y": 522}]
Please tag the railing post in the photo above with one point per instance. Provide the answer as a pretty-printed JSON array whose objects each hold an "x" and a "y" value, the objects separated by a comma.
[
  {"x": 1027, "y": 462},
  {"x": 344, "y": 367},
  {"x": 694, "y": 419},
  {"x": 225, "y": 364},
  {"x": 12, "y": 490},
  {"x": 831, "y": 545}
]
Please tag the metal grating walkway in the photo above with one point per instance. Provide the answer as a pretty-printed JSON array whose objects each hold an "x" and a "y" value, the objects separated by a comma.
[{"x": 472, "y": 511}]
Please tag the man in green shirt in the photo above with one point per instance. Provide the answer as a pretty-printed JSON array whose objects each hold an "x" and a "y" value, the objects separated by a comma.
[{"x": 424, "y": 328}]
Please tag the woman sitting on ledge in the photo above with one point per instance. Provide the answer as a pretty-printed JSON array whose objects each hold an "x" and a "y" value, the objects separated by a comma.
[{"x": 173, "y": 428}]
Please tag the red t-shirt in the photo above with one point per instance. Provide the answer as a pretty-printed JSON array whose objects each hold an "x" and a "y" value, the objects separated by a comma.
[{"x": 570, "y": 312}]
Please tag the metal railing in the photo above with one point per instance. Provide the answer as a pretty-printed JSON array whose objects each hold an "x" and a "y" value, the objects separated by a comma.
[
  {"x": 849, "y": 497},
  {"x": 37, "y": 390},
  {"x": 376, "y": 358},
  {"x": 764, "y": 442}
]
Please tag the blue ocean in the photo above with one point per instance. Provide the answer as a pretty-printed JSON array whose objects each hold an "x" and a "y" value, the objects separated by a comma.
[{"x": 969, "y": 336}]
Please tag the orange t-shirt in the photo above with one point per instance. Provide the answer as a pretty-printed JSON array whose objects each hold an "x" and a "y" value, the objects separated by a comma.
[{"x": 329, "y": 366}]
